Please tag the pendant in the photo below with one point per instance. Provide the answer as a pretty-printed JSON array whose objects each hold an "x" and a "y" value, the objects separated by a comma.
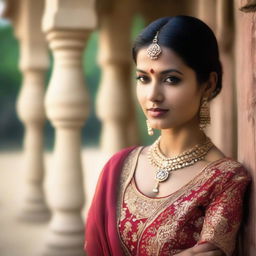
[
  {"x": 156, "y": 188},
  {"x": 161, "y": 175}
]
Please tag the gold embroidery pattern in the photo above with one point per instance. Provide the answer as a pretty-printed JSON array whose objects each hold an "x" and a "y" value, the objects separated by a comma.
[
  {"x": 164, "y": 224},
  {"x": 128, "y": 228},
  {"x": 123, "y": 214},
  {"x": 141, "y": 207},
  {"x": 125, "y": 177},
  {"x": 221, "y": 224},
  {"x": 167, "y": 231},
  {"x": 127, "y": 168}
]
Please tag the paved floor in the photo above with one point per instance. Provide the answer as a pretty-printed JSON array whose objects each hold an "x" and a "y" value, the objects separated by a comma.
[{"x": 18, "y": 238}]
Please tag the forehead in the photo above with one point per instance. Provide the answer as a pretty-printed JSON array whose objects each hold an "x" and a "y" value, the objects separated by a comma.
[{"x": 167, "y": 59}]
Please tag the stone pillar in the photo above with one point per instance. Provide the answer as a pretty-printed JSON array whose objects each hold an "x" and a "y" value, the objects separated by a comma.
[
  {"x": 67, "y": 25},
  {"x": 115, "y": 106},
  {"x": 31, "y": 112},
  {"x": 152, "y": 10},
  {"x": 225, "y": 113},
  {"x": 246, "y": 101},
  {"x": 207, "y": 11},
  {"x": 26, "y": 17},
  {"x": 219, "y": 16}
]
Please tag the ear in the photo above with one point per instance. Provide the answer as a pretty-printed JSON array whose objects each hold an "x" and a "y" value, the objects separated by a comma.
[{"x": 210, "y": 85}]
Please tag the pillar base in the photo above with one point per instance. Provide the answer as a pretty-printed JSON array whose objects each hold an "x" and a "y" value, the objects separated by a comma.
[
  {"x": 63, "y": 252},
  {"x": 36, "y": 212},
  {"x": 64, "y": 244}
]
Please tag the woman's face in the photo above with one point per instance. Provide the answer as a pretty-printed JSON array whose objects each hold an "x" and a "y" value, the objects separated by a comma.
[{"x": 167, "y": 90}]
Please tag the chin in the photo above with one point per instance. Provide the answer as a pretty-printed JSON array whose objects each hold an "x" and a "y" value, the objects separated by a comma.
[{"x": 162, "y": 125}]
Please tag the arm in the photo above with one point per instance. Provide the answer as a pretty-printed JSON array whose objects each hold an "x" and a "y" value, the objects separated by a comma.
[
  {"x": 222, "y": 217},
  {"x": 224, "y": 213},
  {"x": 205, "y": 249}
]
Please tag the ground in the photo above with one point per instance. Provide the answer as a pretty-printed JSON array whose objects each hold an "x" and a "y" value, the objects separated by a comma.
[{"x": 19, "y": 238}]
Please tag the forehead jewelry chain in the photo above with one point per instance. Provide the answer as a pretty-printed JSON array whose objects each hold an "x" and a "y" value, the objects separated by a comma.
[
  {"x": 154, "y": 49},
  {"x": 165, "y": 165}
]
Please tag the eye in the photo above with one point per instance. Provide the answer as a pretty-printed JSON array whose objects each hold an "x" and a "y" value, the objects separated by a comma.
[
  {"x": 172, "y": 80},
  {"x": 142, "y": 79}
]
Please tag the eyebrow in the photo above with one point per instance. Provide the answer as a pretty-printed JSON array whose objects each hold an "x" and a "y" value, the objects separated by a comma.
[{"x": 163, "y": 72}]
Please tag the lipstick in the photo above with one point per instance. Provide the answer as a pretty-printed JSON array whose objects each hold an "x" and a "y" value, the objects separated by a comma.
[{"x": 157, "y": 112}]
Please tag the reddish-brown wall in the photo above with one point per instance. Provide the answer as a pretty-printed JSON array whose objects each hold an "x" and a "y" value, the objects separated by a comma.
[{"x": 246, "y": 100}]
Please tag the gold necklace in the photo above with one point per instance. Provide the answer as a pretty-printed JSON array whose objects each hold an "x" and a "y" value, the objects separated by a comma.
[{"x": 165, "y": 164}]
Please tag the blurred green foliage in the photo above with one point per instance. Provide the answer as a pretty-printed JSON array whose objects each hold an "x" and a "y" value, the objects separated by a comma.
[
  {"x": 11, "y": 129},
  {"x": 10, "y": 78}
]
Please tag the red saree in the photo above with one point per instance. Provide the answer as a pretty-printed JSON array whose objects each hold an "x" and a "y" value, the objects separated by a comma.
[
  {"x": 101, "y": 228},
  {"x": 121, "y": 221}
]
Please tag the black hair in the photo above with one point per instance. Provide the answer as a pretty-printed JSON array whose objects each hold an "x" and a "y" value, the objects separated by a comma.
[{"x": 191, "y": 39}]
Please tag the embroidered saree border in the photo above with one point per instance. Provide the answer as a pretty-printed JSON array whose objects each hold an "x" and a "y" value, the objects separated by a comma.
[
  {"x": 128, "y": 173},
  {"x": 125, "y": 178}
]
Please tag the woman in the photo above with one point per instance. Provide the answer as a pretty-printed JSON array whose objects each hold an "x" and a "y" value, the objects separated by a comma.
[{"x": 180, "y": 196}]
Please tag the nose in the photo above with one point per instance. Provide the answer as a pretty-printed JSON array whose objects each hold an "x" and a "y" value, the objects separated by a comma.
[{"x": 155, "y": 92}]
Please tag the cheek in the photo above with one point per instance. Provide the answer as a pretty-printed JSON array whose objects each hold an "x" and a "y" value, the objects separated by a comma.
[{"x": 185, "y": 98}]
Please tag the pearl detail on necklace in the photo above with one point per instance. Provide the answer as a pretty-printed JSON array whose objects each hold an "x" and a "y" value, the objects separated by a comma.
[{"x": 165, "y": 165}]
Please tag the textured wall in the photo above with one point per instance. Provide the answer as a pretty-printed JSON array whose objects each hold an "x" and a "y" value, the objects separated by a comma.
[{"x": 246, "y": 91}]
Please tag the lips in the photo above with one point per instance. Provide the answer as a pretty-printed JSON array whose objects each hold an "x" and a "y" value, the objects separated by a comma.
[{"x": 157, "y": 112}]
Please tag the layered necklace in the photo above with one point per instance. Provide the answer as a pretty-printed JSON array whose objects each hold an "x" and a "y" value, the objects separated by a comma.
[{"x": 165, "y": 165}]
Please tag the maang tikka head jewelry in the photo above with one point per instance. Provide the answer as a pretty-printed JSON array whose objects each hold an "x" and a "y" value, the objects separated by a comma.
[
  {"x": 154, "y": 49},
  {"x": 204, "y": 114}
]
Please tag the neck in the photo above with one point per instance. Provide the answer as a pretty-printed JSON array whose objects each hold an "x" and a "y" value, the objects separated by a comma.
[{"x": 175, "y": 141}]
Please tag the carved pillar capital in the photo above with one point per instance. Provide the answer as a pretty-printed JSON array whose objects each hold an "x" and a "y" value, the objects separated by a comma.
[{"x": 69, "y": 14}]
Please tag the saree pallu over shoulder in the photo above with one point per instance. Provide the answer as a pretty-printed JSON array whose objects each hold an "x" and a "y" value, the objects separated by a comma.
[{"x": 101, "y": 236}]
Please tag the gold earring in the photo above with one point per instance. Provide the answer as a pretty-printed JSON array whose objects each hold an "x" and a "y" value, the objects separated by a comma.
[
  {"x": 204, "y": 114},
  {"x": 150, "y": 130}
]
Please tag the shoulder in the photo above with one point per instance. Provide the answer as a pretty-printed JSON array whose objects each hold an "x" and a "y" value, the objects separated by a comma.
[
  {"x": 116, "y": 161},
  {"x": 226, "y": 177},
  {"x": 113, "y": 167},
  {"x": 228, "y": 169},
  {"x": 124, "y": 153},
  {"x": 225, "y": 166}
]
